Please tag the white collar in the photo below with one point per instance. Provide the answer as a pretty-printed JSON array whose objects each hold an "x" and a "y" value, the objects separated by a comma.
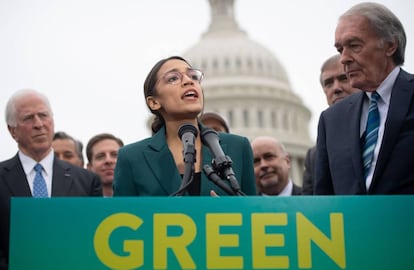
[
  {"x": 287, "y": 191},
  {"x": 385, "y": 88},
  {"x": 28, "y": 163}
]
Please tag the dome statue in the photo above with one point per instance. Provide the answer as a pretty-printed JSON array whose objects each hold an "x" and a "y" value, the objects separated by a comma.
[{"x": 245, "y": 83}]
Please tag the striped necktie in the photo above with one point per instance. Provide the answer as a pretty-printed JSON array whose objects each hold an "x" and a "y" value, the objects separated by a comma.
[
  {"x": 371, "y": 133},
  {"x": 39, "y": 183}
]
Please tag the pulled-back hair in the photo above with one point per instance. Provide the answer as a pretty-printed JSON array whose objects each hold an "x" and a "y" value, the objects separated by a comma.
[{"x": 150, "y": 90}]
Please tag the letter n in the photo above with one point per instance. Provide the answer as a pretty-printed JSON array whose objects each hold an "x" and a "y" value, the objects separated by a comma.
[{"x": 334, "y": 246}]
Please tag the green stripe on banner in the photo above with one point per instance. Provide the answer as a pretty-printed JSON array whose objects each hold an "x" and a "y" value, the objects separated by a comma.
[{"x": 299, "y": 232}]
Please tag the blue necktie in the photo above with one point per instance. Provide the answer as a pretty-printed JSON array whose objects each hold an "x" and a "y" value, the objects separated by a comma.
[
  {"x": 39, "y": 183},
  {"x": 371, "y": 133}
]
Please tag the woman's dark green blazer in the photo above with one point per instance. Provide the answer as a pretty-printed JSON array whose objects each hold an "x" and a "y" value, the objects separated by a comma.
[{"x": 147, "y": 167}]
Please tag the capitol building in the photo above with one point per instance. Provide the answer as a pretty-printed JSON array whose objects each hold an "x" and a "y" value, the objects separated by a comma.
[{"x": 247, "y": 85}]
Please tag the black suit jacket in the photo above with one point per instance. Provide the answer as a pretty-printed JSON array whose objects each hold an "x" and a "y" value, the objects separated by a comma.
[
  {"x": 339, "y": 167},
  {"x": 296, "y": 190},
  {"x": 67, "y": 180},
  {"x": 308, "y": 174}
]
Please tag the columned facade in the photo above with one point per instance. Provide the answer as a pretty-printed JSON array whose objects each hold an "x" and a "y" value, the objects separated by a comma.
[{"x": 247, "y": 85}]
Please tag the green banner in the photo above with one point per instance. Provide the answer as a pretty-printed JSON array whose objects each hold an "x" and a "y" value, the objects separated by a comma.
[{"x": 301, "y": 232}]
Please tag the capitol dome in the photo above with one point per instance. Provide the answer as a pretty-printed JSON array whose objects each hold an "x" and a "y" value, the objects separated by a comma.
[{"x": 246, "y": 84}]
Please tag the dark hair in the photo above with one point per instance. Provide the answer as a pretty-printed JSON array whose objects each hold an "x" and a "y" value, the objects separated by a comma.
[
  {"x": 79, "y": 145},
  {"x": 150, "y": 90},
  {"x": 97, "y": 138},
  {"x": 60, "y": 135},
  {"x": 386, "y": 25}
]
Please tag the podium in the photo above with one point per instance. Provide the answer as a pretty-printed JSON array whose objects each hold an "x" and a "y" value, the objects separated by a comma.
[{"x": 300, "y": 232}]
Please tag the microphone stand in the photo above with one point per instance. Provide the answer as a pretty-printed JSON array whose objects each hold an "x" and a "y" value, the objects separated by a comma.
[
  {"x": 222, "y": 168},
  {"x": 187, "y": 132},
  {"x": 189, "y": 160},
  {"x": 221, "y": 162},
  {"x": 213, "y": 176}
]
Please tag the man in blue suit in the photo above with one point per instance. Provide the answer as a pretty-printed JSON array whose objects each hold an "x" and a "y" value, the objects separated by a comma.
[
  {"x": 365, "y": 144},
  {"x": 30, "y": 122},
  {"x": 336, "y": 87}
]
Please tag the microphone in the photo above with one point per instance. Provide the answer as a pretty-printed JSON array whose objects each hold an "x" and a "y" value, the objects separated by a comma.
[
  {"x": 211, "y": 174},
  {"x": 188, "y": 133},
  {"x": 209, "y": 137},
  {"x": 221, "y": 162}
]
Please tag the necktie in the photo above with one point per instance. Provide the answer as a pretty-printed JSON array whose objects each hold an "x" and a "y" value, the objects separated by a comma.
[
  {"x": 371, "y": 133},
  {"x": 39, "y": 183}
]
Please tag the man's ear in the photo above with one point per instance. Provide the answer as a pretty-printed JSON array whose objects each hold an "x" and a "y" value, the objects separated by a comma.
[
  {"x": 12, "y": 131},
  {"x": 392, "y": 47},
  {"x": 153, "y": 103},
  {"x": 288, "y": 160}
]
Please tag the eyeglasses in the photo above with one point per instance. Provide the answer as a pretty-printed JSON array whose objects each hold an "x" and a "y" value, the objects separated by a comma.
[{"x": 176, "y": 77}]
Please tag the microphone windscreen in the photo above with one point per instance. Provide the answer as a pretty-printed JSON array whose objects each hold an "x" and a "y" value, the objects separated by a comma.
[{"x": 187, "y": 128}]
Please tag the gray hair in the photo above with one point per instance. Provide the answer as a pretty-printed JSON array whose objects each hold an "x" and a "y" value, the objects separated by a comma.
[
  {"x": 328, "y": 63},
  {"x": 11, "y": 111},
  {"x": 385, "y": 24}
]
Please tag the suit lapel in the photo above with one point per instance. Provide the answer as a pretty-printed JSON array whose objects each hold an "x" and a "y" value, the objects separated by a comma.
[
  {"x": 161, "y": 163},
  {"x": 61, "y": 179},
  {"x": 401, "y": 96},
  {"x": 16, "y": 179},
  {"x": 354, "y": 112}
]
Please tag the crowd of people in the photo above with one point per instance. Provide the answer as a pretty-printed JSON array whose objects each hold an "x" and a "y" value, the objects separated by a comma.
[{"x": 363, "y": 144}]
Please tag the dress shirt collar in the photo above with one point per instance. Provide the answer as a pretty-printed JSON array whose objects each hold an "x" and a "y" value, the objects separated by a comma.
[
  {"x": 385, "y": 88},
  {"x": 287, "y": 191},
  {"x": 29, "y": 163}
]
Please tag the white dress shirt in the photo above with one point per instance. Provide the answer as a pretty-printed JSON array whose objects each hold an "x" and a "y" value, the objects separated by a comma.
[
  {"x": 47, "y": 172},
  {"x": 384, "y": 90},
  {"x": 287, "y": 191}
]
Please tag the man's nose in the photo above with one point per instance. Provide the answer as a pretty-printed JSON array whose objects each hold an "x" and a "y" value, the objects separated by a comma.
[
  {"x": 37, "y": 121},
  {"x": 345, "y": 57},
  {"x": 337, "y": 87},
  {"x": 262, "y": 163}
]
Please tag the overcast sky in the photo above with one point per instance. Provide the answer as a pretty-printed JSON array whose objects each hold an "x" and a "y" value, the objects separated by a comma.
[{"x": 90, "y": 57}]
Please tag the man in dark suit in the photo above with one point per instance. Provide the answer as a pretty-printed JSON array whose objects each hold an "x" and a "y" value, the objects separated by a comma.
[
  {"x": 271, "y": 168},
  {"x": 68, "y": 148},
  {"x": 102, "y": 153},
  {"x": 336, "y": 87},
  {"x": 371, "y": 41},
  {"x": 30, "y": 122}
]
